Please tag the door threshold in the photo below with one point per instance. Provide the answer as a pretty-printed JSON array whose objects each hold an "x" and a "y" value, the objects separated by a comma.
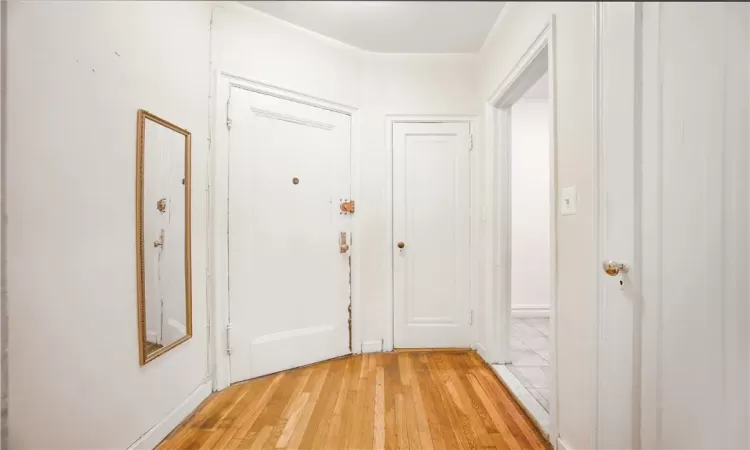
[{"x": 523, "y": 397}]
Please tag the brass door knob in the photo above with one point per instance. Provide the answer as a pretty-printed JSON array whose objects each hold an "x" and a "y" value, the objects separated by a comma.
[
  {"x": 401, "y": 245},
  {"x": 613, "y": 268}
]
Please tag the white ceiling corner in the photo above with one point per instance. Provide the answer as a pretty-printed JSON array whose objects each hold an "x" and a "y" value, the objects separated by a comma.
[{"x": 392, "y": 26}]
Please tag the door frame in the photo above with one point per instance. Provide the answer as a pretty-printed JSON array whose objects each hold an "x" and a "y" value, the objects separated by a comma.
[
  {"x": 390, "y": 120},
  {"x": 527, "y": 69},
  {"x": 217, "y": 284}
]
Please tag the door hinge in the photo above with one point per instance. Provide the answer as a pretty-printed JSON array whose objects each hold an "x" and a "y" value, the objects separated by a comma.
[
  {"x": 229, "y": 124},
  {"x": 229, "y": 343},
  {"x": 471, "y": 317},
  {"x": 471, "y": 142}
]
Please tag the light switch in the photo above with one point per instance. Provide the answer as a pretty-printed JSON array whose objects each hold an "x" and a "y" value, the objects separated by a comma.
[{"x": 568, "y": 200}]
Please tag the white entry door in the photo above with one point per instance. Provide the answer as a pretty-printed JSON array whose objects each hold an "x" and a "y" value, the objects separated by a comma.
[
  {"x": 289, "y": 171},
  {"x": 431, "y": 240}
]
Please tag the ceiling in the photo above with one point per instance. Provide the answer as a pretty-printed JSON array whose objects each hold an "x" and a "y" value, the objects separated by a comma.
[{"x": 393, "y": 26}]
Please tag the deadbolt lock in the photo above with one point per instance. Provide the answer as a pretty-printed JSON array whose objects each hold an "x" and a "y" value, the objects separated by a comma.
[{"x": 347, "y": 206}]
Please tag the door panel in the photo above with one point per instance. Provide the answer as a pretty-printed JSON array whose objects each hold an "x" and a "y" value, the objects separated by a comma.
[
  {"x": 431, "y": 217},
  {"x": 695, "y": 225},
  {"x": 288, "y": 283}
]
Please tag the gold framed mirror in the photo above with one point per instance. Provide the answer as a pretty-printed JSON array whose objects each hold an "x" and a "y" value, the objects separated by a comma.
[{"x": 164, "y": 280}]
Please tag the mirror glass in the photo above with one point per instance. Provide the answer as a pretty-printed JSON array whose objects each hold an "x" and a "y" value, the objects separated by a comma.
[{"x": 163, "y": 223}]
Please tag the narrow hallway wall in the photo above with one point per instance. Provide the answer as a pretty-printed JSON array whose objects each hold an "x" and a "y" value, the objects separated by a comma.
[
  {"x": 518, "y": 27},
  {"x": 77, "y": 74}
]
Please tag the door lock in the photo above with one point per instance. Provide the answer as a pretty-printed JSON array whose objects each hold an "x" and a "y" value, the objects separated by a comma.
[
  {"x": 343, "y": 246},
  {"x": 347, "y": 206}
]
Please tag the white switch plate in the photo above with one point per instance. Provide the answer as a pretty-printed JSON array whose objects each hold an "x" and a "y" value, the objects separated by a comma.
[{"x": 568, "y": 200}]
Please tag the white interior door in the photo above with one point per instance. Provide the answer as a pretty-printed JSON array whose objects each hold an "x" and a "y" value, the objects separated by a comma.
[
  {"x": 695, "y": 225},
  {"x": 289, "y": 170},
  {"x": 431, "y": 206}
]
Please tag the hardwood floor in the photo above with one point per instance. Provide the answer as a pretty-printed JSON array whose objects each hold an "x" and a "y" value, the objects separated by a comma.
[{"x": 415, "y": 400}]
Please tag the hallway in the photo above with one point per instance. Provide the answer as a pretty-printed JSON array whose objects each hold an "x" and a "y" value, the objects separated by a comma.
[{"x": 414, "y": 399}]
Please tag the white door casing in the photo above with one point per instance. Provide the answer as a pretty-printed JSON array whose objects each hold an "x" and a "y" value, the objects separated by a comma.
[
  {"x": 538, "y": 59},
  {"x": 431, "y": 216},
  {"x": 289, "y": 170},
  {"x": 618, "y": 358}
]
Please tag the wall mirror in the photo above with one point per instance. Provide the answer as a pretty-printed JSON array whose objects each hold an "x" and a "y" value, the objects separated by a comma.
[{"x": 163, "y": 236}]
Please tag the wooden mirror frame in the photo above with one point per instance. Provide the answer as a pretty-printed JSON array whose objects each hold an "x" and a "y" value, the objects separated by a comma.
[{"x": 140, "y": 263}]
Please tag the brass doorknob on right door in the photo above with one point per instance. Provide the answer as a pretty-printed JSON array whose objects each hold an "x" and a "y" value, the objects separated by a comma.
[
  {"x": 401, "y": 245},
  {"x": 613, "y": 268}
]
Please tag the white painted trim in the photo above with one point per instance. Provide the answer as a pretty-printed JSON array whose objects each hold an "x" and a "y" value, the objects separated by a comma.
[
  {"x": 498, "y": 141},
  {"x": 158, "y": 432},
  {"x": 372, "y": 346},
  {"x": 482, "y": 351},
  {"x": 390, "y": 119},
  {"x": 219, "y": 191},
  {"x": 563, "y": 445},
  {"x": 599, "y": 203},
  {"x": 528, "y": 311}
]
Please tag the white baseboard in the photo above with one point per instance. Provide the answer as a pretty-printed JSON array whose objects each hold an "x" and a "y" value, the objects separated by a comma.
[
  {"x": 482, "y": 351},
  {"x": 525, "y": 311},
  {"x": 158, "y": 432},
  {"x": 372, "y": 346},
  {"x": 562, "y": 445}
]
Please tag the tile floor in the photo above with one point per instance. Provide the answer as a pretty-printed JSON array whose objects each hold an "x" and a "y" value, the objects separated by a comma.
[{"x": 529, "y": 348}]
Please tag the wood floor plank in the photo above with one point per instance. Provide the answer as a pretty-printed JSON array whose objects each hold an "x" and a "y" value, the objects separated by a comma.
[
  {"x": 403, "y": 400},
  {"x": 443, "y": 436},
  {"x": 465, "y": 434},
  {"x": 298, "y": 381},
  {"x": 320, "y": 416}
]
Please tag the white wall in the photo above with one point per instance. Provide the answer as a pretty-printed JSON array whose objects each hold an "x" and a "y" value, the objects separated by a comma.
[
  {"x": 521, "y": 23},
  {"x": 253, "y": 45},
  {"x": 530, "y": 252},
  {"x": 78, "y": 72}
]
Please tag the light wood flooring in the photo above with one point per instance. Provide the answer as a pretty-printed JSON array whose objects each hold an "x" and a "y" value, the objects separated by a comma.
[{"x": 405, "y": 400}]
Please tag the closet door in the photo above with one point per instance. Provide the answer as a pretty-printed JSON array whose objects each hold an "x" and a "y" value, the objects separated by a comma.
[{"x": 431, "y": 235}]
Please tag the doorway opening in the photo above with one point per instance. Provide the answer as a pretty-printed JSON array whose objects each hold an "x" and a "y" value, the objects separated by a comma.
[
  {"x": 530, "y": 242},
  {"x": 522, "y": 300}
]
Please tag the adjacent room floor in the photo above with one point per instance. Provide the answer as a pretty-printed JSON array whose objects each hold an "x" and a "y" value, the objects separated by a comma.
[
  {"x": 530, "y": 356},
  {"x": 415, "y": 399}
]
